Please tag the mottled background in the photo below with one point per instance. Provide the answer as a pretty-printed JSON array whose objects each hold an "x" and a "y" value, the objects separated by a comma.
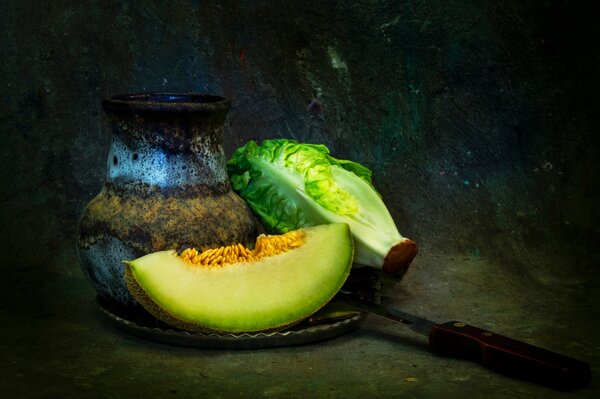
[{"x": 479, "y": 120}]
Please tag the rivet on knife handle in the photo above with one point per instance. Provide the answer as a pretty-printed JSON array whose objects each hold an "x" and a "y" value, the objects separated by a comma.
[{"x": 509, "y": 356}]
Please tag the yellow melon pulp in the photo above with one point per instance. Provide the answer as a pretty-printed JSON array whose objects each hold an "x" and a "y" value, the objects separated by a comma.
[{"x": 254, "y": 294}]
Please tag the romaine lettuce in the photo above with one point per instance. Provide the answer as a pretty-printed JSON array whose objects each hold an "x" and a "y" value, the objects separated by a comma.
[{"x": 289, "y": 185}]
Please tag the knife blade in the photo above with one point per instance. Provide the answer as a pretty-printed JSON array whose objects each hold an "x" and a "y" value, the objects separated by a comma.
[{"x": 494, "y": 351}]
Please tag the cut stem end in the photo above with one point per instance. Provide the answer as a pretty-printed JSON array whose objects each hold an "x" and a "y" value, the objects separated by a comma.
[{"x": 400, "y": 256}]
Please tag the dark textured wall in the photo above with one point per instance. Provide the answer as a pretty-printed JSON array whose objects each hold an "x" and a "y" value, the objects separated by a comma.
[{"x": 478, "y": 119}]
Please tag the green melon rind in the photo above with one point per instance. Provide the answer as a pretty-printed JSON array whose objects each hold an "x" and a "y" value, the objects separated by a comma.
[{"x": 327, "y": 248}]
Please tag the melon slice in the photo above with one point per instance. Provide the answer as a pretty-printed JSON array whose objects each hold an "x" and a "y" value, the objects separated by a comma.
[{"x": 261, "y": 293}]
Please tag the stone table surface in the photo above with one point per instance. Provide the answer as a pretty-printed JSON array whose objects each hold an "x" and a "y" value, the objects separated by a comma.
[{"x": 56, "y": 343}]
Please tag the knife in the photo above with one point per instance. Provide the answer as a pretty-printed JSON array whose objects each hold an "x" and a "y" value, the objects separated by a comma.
[{"x": 494, "y": 351}]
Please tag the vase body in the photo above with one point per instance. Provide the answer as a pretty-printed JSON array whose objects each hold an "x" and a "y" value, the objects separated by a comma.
[{"x": 166, "y": 187}]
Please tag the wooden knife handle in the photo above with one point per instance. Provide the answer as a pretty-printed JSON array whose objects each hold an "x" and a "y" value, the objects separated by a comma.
[{"x": 509, "y": 356}]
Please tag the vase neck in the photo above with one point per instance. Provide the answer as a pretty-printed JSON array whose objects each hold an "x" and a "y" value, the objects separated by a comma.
[
  {"x": 134, "y": 163},
  {"x": 177, "y": 122},
  {"x": 166, "y": 141}
]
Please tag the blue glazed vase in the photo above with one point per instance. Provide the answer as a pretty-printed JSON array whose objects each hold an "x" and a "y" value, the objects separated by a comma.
[{"x": 166, "y": 187}]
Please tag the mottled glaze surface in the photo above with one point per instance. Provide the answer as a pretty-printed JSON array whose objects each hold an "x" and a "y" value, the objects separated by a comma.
[{"x": 166, "y": 187}]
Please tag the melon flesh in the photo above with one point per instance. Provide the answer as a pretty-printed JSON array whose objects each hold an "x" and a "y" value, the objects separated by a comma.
[{"x": 267, "y": 294}]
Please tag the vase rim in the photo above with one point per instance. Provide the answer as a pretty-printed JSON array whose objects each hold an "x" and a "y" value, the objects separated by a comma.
[{"x": 167, "y": 102}]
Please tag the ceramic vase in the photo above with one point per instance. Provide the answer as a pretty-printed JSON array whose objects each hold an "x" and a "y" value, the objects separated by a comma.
[{"x": 166, "y": 187}]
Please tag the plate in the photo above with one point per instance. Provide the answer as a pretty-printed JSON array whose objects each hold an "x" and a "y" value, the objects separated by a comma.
[{"x": 143, "y": 325}]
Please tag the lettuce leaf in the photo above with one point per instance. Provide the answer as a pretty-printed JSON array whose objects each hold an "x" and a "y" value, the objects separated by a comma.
[{"x": 289, "y": 185}]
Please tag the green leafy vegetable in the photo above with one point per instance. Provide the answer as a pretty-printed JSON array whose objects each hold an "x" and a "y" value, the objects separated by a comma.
[{"x": 289, "y": 185}]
